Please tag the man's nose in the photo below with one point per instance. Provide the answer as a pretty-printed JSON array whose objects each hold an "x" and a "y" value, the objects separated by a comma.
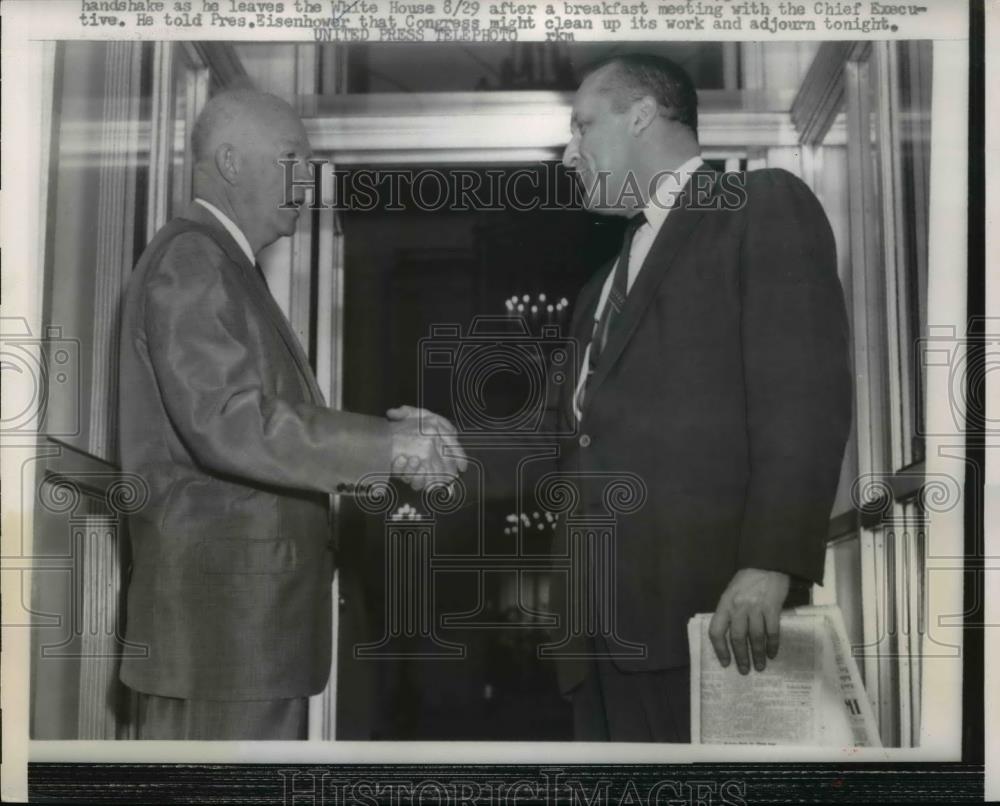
[{"x": 570, "y": 155}]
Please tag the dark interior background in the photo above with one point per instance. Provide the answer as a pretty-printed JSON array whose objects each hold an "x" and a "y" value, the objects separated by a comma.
[{"x": 407, "y": 271}]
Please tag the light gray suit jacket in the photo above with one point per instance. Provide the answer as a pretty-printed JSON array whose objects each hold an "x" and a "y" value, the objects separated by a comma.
[{"x": 221, "y": 416}]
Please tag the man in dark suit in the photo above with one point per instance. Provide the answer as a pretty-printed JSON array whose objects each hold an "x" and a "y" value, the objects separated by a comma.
[
  {"x": 220, "y": 414},
  {"x": 716, "y": 370}
]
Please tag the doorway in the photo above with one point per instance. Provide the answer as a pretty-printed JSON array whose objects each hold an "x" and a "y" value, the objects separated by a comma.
[{"x": 411, "y": 269}]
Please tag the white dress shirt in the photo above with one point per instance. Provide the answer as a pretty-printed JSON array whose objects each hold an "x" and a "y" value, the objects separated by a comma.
[
  {"x": 665, "y": 195},
  {"x": 231, "y": 228}
]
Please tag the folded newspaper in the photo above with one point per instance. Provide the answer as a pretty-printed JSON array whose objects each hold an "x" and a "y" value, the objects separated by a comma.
[{"x": 810, "y": 694}]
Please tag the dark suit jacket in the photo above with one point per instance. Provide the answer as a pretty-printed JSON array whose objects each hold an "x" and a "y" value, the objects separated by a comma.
[
  {"x": 726, "y": 389},
  {"x": 221, "y": 416}
]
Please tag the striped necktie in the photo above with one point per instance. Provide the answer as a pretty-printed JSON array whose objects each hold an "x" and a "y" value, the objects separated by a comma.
[
  {"x": 613, "y": 305},
  {"x": 615, "y": 302}
]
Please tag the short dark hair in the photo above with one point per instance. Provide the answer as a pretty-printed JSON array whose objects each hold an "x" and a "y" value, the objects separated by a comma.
[{"x": 633, "y": 75}]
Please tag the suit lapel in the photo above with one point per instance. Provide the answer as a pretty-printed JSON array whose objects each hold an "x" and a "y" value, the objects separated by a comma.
[
  {"x": 673, "y": 235},
  {"x": 258, "y": 290}
]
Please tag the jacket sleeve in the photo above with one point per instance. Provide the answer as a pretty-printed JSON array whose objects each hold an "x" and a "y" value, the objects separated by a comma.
[
  {"x": 210, "y": 380},
  {"x": 797, "y": 375}
]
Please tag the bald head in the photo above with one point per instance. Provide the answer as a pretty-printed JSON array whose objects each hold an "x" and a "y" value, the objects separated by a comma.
[
  {"x": 234, "y": 116},
  {"x": 240, "y": 142}
]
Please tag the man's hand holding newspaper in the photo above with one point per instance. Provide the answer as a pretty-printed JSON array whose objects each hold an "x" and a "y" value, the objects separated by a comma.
[{"x": 809, "y": 694}]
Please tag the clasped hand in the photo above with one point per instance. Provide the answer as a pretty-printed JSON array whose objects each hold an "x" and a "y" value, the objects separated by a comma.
[{"x": 425, "y": 447}]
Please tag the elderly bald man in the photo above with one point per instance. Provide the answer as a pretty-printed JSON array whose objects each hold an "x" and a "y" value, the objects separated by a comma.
[{"x": 232, "y": 558}]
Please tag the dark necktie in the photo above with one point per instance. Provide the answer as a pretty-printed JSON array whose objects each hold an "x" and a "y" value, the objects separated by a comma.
[
  {"x": 613, "y": 306},
  {"x": 615, "y": 302}
]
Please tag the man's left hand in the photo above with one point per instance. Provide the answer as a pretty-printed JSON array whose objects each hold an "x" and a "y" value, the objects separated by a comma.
[{"x": 749, "y": 608}]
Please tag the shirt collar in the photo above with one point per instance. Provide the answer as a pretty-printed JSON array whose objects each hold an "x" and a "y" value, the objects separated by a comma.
[
  {"x": 668, "y": 188},
  {"x": 231, "y": 228}
]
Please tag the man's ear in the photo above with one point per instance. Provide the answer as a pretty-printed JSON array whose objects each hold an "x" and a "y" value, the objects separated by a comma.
[
  {"x": 226, "y": 163},
  {"x": 644, "y": 112}
]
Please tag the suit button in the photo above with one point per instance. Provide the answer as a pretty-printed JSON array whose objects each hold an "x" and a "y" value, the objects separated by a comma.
[
  {"x": 584, "y": 440},
  {"x": 342, "y": 604}
]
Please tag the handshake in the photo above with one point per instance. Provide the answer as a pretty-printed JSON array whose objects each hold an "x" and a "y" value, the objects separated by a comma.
[{"x": 425, "y": 448}]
